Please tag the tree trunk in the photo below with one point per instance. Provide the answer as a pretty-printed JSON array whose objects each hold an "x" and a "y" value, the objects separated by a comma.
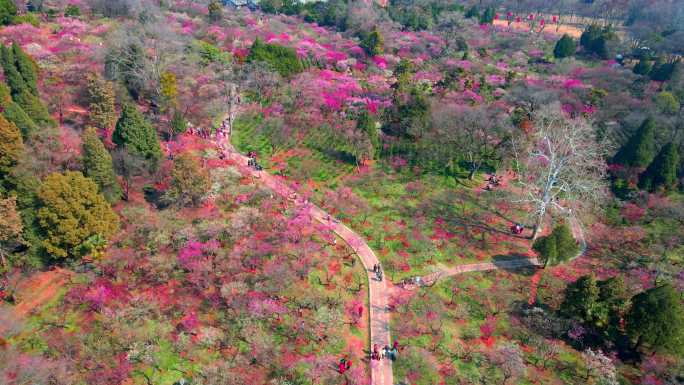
[{"x": 539, "y": 223}]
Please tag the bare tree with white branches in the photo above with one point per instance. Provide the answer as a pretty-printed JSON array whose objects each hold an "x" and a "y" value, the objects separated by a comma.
[{"x": 561, "y": 167}]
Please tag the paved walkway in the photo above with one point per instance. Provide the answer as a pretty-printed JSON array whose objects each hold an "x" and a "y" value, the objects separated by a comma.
[
  {"x": 381, "y": 371},
  {"x": 379, "y": 292},
  {"x": 485, "y": 266},
  {"x": 518, "y": 263}
]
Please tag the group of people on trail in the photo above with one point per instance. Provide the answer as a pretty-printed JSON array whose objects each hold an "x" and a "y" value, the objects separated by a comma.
[
  {"x": 204, "y": 133},
  {"x": 377, "y": 269},
  {"x": 517, "y": 228},
  {"x": 412, "y": 281},
  {"x": 387, "y": 352},
  {"x": 492, "y": 181},
  {"x": 252, "y": 161},
  {"x": 344, "y": 365}
]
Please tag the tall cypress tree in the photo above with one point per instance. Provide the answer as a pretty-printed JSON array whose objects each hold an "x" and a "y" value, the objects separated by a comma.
[
  {"x": 26, "y": 68},
  {"x": 101, "y": 100},
  {"x": 640, "y": 148},
  {"x": 662, "y": 172},
  {"x": 11, "y": 149},
  {"x": 7, "y": 11},
  {"x": 136, "y": 134},
  {"x": 15, "y": 114},
  {"x": 13, "y": 78},
  {"x": 97, "y": 164},
  {"x": 34, "y": 108}
]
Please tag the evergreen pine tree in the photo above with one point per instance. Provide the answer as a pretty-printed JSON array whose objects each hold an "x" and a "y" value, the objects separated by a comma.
[
  {"x": 565, "y": 47},
  {"x": 373, "y": 43},
  {"x": 13, "y": 78},
  {"x": 26, "y": 68},
  {"x": 657, "y": 320},
  {"x": 487, "y": 16},
  {"x": 34, "y": 108},
  {"x": 101, "y": 102},
  {"x": 7, "y": 11},
  {"x": 661, "y": 174},
  {"x": 11, "y": 149},
  {"x": 178, "y": 123},
  {"x": 640, "y": 148},
  {"x": 663, "y": 71},
  {"x": 215, "y": 10},
  {"x": 189, "y": 181},
  {"x": 74, "y": 218},
  {"x": 557, "y": 247},
  {"x": 472, "y": 12},
  {"x": 643, "y": 67},
  {"x": 366, "y": 124},
  {"x": 582, "y": 300},
  {"x": 136, "y": 134},
  {"x": 97, "y": 164},
  {"x": 15, "y": 114}
]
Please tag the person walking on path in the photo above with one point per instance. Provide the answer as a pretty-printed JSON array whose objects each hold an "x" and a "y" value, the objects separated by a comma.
[{"x": 342, "y": 366}]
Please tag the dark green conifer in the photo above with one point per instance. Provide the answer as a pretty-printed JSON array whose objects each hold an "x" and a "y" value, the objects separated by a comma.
[
  {"x": 136, "y": 134},
  {"x": 640, "y": 148},
  {"x": 97, "y": 165},
  {"x": 661, "y": 174}
]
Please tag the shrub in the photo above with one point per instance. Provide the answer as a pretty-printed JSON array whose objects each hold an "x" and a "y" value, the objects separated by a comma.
[
  {"x": 565, "y": 47},
  {"x": 72, "y": 10},
  {"x": 27, "y": 18},
  {"x": 667, "y": 103},
  {"x": 487, "y": 16},
  {"x": 189, "y": 181},
  {"x": 643, "y": 67},
  {"x": 664, "y": 71},
  {"x": 71, "y": 211},
  {"x": 557, "y": 247},
  {"x": 599, "y": 41},
  {"x": 282, "y": 59},
  {"x": 472, "y": 12},
  {"x": 210, "y": 53},
  {"x": 373, "y": 43},
  {"x": 215, "y": 10}
]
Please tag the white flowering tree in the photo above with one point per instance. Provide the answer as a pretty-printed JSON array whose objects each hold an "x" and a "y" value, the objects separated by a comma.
[{"x": 561, "y": 166}]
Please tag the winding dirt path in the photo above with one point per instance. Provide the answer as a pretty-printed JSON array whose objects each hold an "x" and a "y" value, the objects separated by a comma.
[{"x": 378, "y": 293}]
